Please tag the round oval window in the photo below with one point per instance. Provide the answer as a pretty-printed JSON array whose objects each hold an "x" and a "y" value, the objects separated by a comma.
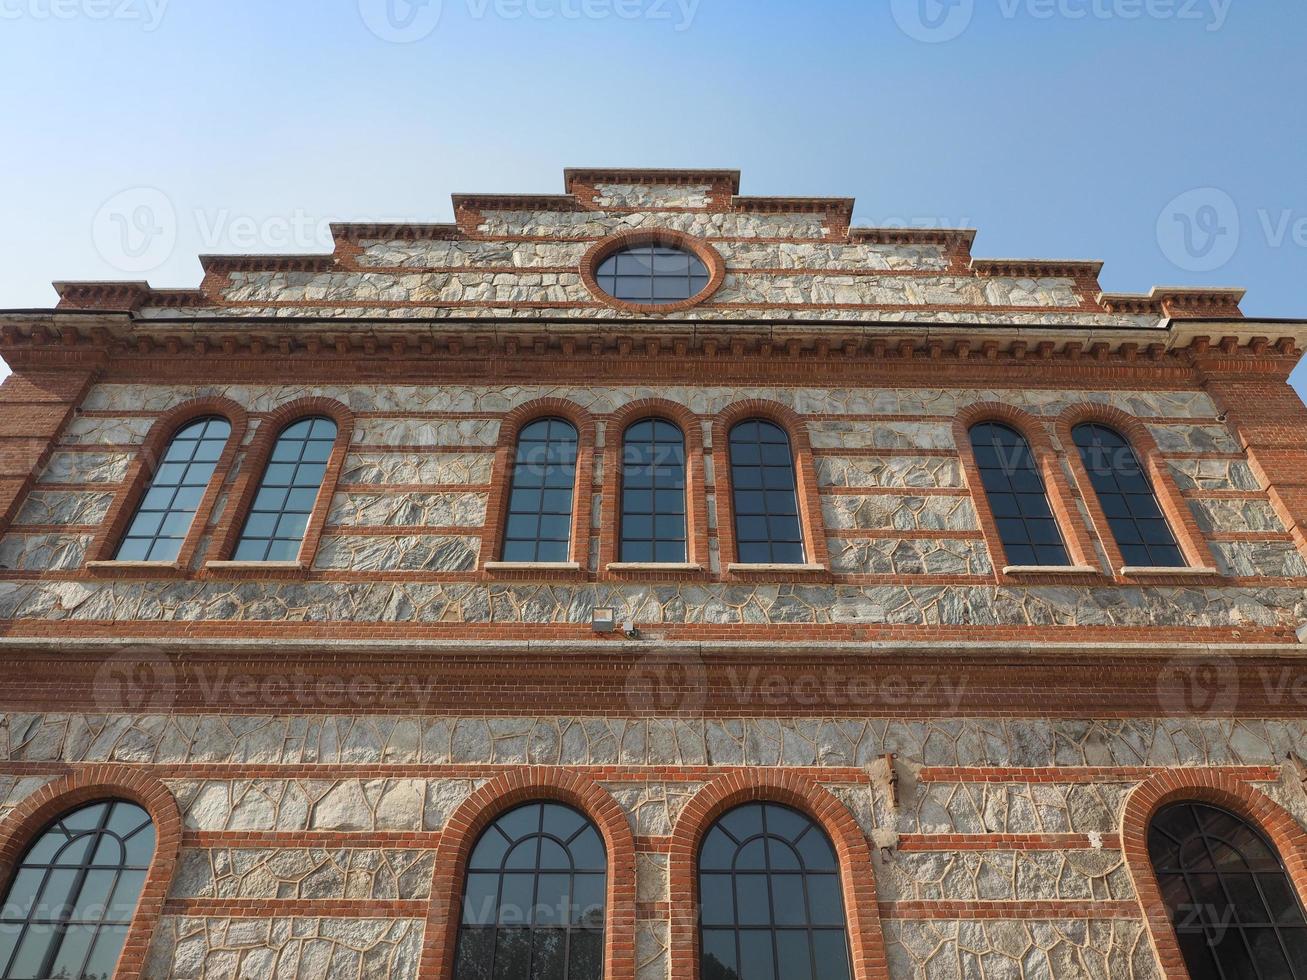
[{"x": 653, "y": 274}]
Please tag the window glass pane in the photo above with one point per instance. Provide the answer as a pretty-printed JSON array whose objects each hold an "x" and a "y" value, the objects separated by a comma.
[
  {"x": 62, "y": 926},
  {"x": 1249, "y": 922},
  {"x": 288, "y": 491},
  {"x": 1127, "y": 498},
  {"x": 788, "y": 919},
  {"x": 1017, "y": 498},
  {"x": 538, "y": 524},
  {"x": 653, "y": 493},
  {"x": 653, "y": 274},
  {"x": 524, "y": 907},
  {"x": 767, "y": 528},
  {"x": 175, "y": 492}
]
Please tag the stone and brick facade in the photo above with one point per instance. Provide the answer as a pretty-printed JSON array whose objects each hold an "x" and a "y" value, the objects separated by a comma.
[{"x": 321, "y": 740}]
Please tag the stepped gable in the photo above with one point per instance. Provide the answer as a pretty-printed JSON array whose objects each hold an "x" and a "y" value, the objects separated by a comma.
[{"x": 532, "y": 256}]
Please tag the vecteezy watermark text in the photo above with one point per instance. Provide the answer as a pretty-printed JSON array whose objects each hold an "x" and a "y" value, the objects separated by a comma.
[
  {"x": 937, "y": 21},
  {"x": 148, "y": 13},
  {"x": 1201, "y": 230},
  {"x": 137, "y": 230},
  {"x": 408, "y": 21}
]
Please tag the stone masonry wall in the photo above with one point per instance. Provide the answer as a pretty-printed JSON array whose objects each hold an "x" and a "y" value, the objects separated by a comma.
[{"x": 294, "y": 825}]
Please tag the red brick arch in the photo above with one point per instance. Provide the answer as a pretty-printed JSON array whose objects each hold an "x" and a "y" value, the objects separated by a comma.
[
  {"x": 88, "y": 785},
  {"x": 492, "y": 540},
  {"x": 857, "y": 875},
  {"x": 1061, "y": 497},
  {"x": 526, "y": 785},
  {"x": 1200, "y": 786},
  {"x": 805, "y": 475},
  {"x": 147, "y": 459},
  {"x": 696, "y": 529},
  {"x": 256, "y": 461},
  {"x": 1172, "y": 503}
]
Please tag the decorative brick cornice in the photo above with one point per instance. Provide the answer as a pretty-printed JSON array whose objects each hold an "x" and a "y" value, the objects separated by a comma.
[
  {"x": 1037, "y": 268},
  {"x": 515, "y": 202},
  {"x": 574, "y": 177},
  {"x": 124, "y": 296},
  {"x": 227, "y": 264}
]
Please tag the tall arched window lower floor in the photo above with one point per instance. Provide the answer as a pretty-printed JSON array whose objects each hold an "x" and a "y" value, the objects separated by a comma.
[
  {"x": 85, "y": 864},
  {"x": 1220, "y": 870}
]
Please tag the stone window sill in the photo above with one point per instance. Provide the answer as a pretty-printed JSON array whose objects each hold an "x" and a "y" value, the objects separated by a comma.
[
  {"x": 532, "y": 566},
  {"x": 155, "y": 569},
  {"x": 1050, "y": 570},
  {"x": 653, "y": 566},
  {"x": 1135, "y": 571},
  {"x": 766, "y": 568},
  {"x": 566, "y": 571},
  {"x": 238, "y": 567}
]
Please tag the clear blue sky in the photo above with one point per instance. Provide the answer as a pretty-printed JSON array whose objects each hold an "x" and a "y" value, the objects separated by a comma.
[{"x": 1058, "y": 128}]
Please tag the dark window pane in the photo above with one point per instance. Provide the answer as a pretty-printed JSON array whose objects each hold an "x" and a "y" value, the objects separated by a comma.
[
  {"x": 476, "y": 948},
  {"x": 524, "y": 906},
  {"x": 767, "y": 528},
  {"x": 777, "y": 937},
  {"x": 59, "y": 928},
  {"x": 653, "y": 493},
  {"x": 1017, "y": 497},
  {"x": 656, "y": 274},
  {"x": 175, "y": 492},
  {"x": 1127, "y": 497},
  {"x": 1251, "y": 923},
  {"x": 539, "y": 518}
]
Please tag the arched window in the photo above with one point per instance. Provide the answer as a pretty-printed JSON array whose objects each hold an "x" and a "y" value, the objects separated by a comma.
[
  {"x": 534, "y": 900},
  {"x": 73, "y": 895},
  {"x": 279, "y": 516},
  {"x": 539, "y": 525},
  {"x": 770, "y": 902},
  {"x": 1232, "y": 904},
  {"x": 165, "y": 513},
  {"x": 1127, "y": 498},
  {"x": 1017, "y": 497},
  {"x": 653, "y": 493},
  {"x": 767, "y": 529}
]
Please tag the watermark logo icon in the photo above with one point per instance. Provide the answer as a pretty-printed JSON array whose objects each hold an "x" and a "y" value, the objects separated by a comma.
[
  {"x": 668, "y": 682},
  {"x": 1204, "y": 687},
  {"x": 401, "y": 21},
  {"x": 137, "y": 678},
  {"x": 1199, "y": 230},
  {"x": 136, "y": 229},
  {"x": 933, "y": 21}
]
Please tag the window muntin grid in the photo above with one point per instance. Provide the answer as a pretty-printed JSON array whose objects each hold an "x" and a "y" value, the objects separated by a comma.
[
  {"x": 539, "y": 523},
  {"x": 1234, "y": 908},
  {"x": 71, "y": 901},
  {"x": 1126, "y": 495},
  {"x": 534, "y": 898},
  {"x": 764, "y": 495},
  {"x": 1017, "y": 496},
  {"x": 770, "y": 902},
  {"x": 279, "y": 516},
  {"x": 166, "y": 511},
  {"x": 653, "y": 493},
  {"x": 655, "y": 274}
]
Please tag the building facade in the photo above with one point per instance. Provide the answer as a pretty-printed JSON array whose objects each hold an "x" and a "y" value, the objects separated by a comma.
[{"x": 651, "y": 582}]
